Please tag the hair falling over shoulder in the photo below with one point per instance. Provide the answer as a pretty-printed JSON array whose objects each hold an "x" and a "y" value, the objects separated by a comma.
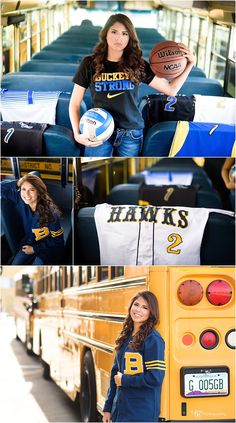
[
  {"x": 138, "y": 339},
  {"x": 131, "y": 62},
  {"x": 46, "y": 208}
]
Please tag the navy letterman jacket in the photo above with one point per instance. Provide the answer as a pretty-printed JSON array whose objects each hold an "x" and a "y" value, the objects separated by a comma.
[
  {"x": 47, "y": 241},
  {"x": 138, "y": 399}
]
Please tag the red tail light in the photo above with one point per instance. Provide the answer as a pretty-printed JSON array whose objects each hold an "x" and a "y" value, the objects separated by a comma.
[
  {"x": 190, "y": 292},
  {"x": 219, "y": 292},
  {"x": 209, "y": 339}
]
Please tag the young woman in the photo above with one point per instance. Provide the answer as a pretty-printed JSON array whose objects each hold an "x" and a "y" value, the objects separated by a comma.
[
  {"x": 43, "y": 241},
  {"x": 113, "y": 74},
  {"x": 139, "y": 366}
]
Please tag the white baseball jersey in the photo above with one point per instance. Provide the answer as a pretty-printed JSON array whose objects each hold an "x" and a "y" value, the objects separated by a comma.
[
  {"x": 29, "y": 106},
  {"x": 214, "y": 109},
  {"x": 149, "y": 235},
  {"x": 167, "y": 178}
]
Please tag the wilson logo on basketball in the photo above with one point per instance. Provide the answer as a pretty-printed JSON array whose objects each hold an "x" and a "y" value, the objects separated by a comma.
[{"x": 167, "y": 53}]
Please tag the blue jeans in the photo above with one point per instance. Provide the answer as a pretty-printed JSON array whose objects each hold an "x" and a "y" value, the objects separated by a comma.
[
  {"x": 22, "y": 258},
  {"x": 122, "y": 143}
]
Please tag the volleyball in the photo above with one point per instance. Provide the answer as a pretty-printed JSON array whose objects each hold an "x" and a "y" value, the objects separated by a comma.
[
  {"x": 232, "y": 173},
  {"x": 167, "y": 60},
  {"x": 97, "y": 124}
]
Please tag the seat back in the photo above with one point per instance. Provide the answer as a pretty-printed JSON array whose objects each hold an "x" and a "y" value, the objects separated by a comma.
[
  {"x": 60, "y": 68},
  {"x": 200, "y": 180},
  {"x": 129, "y": 194},
  {"x": 219, "y": 232}
]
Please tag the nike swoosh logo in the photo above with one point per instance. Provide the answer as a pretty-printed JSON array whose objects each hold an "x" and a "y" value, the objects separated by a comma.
[{"x": 114, "y": 95}]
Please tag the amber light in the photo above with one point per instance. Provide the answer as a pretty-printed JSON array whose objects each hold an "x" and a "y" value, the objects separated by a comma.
[
  {"x": 190, "y": 292},
  {"x": 209, "y": 339},
  {"x": 219, "y": 292},
  {"x": 188, "y": 339}
]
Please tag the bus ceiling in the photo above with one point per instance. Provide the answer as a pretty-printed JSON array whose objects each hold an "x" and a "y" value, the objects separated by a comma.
[{"x": 223, "y": 11}]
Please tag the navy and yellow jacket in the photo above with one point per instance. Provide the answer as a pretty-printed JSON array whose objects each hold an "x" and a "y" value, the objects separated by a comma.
[
  {"x": 47, "y": 241},
  {"x": 138, "y": 399}
]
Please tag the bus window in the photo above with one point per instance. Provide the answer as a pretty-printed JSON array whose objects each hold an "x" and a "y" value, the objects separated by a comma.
[
  {"x": 102, "y": 273},
  {"x": 117, "y": 271},
  {"x": 91, "y": 273},
  {"x": 219, "y": 52}
]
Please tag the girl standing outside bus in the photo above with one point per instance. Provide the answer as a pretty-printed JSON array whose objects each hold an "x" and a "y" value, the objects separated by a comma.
[
  {"x": 139, "y": 367},
  {"x": 43, "y": 242},
  {"x": 113, "y": 74}
]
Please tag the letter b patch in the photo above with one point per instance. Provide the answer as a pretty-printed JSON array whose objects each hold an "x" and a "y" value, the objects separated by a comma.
[
  {"x": 133, "y": 363},
  {"x": 40, "y": 233}
]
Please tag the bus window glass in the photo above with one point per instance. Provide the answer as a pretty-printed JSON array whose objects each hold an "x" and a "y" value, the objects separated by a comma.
[
  {"x": 117, "y": 271},
  {"x": 102, "y": 273},
  {"x": 202, "y": 42},
  {"x": 91, "y": 273},
  {"x": 186, "y": 29},
  {"x": 179, "y": 25},
  {"x": 219, "y": 53},
  {"x": 194, "y": 33},
  {"x": 23, "y": 42},
  {"x": 43, "y": 28},
  {"x": 230, "y": 88},
  {"x": 83, "y": 275}
]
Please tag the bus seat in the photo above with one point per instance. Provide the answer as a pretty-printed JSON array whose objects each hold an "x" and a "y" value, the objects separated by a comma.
[
  {"x": 218, "y": 244},
  {"x": 62, "y": 110},
  {"x": 198, "y": 180},
  {"x": 192, "y": 85},
  {"x": 56, "y": 56},
  {"x": 158, "y": 140},
  {"x": 60, "y": 68},
  {"x": 129, "y": 194},
  {"x": 37, "y": 82},
  {"x": 86, "y": 246},
  {"x": 59, "y": 142},
  {"x": 67, "y": 48}
]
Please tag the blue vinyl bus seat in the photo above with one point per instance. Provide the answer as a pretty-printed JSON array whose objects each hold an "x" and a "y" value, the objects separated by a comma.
[
  {"x": 219, "y": 231},
  {"x": 67, "y": 48},
  {"x": 198, "y": 180},
  {"x": 193, "y": 85},
  {"x": 58, "y": 141},
  {"x": 56, "y": 56},
  {"x": 37, "y": 82},
  {"x": 128, "y": 194},
  {"x": 60, "y": 68}
]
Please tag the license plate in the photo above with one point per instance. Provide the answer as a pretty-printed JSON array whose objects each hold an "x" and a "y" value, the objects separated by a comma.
[{"x": 206, "y": 384}]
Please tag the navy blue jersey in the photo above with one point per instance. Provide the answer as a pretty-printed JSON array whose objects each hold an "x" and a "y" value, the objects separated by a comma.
[
  {"x": 138, "y": 399},
  {"x": 47, "y": 241}
]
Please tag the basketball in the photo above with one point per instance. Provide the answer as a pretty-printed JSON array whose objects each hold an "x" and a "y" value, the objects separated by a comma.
[
  {"x": 167, "y": 60},
  {"x": 97, "y": 124}
]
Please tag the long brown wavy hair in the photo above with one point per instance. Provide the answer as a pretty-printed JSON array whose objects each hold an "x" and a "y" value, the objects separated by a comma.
[
  {"x": 138, "y": 339},
  {"x": 45, "y": 207},
  {"x": 131, "y": 62}
]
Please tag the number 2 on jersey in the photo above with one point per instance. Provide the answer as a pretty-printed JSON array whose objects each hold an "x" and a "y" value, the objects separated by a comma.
[{"x": 175, "y": 240}]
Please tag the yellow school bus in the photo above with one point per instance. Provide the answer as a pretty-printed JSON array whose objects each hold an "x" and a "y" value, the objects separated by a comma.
[{"x": 80, "y": 313}]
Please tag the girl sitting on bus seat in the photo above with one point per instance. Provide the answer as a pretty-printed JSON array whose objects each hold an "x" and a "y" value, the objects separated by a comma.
[
  {"x": 43, "y": 242},
  {"x": 114, "y": 73},
  {"x": 139, "y": 366}
]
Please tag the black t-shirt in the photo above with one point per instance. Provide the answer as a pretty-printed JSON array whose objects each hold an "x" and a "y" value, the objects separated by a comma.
[{"x": 114, "y": 92}]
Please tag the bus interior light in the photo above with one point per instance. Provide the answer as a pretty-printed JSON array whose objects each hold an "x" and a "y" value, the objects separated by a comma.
[
  {"x": 230, "y": 338},
  {"x": 190, "y": 292},
  {"x": 219, "y": 292},
  {"x": 209, "y": 339}
]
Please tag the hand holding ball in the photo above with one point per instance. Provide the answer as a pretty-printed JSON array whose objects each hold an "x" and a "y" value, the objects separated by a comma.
[
  {"x": 97, "y": 124},
  {"x": 167, "y": 60}
]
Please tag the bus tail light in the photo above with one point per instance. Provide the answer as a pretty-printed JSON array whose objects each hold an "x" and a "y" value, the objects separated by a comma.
[
  {"x": 209, "y": 339},
  {"x": 219, "y": 292},
  {"x": 230, "y": 338},
  {"x": 190, "y": 292},
  {"x": 188, "y": 339}
]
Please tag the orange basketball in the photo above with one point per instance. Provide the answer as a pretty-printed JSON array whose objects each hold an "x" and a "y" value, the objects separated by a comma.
[{"x": 167, "y": 60}]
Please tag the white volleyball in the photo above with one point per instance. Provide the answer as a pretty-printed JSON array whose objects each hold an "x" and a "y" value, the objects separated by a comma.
[{"x": 97, "y": 124}]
